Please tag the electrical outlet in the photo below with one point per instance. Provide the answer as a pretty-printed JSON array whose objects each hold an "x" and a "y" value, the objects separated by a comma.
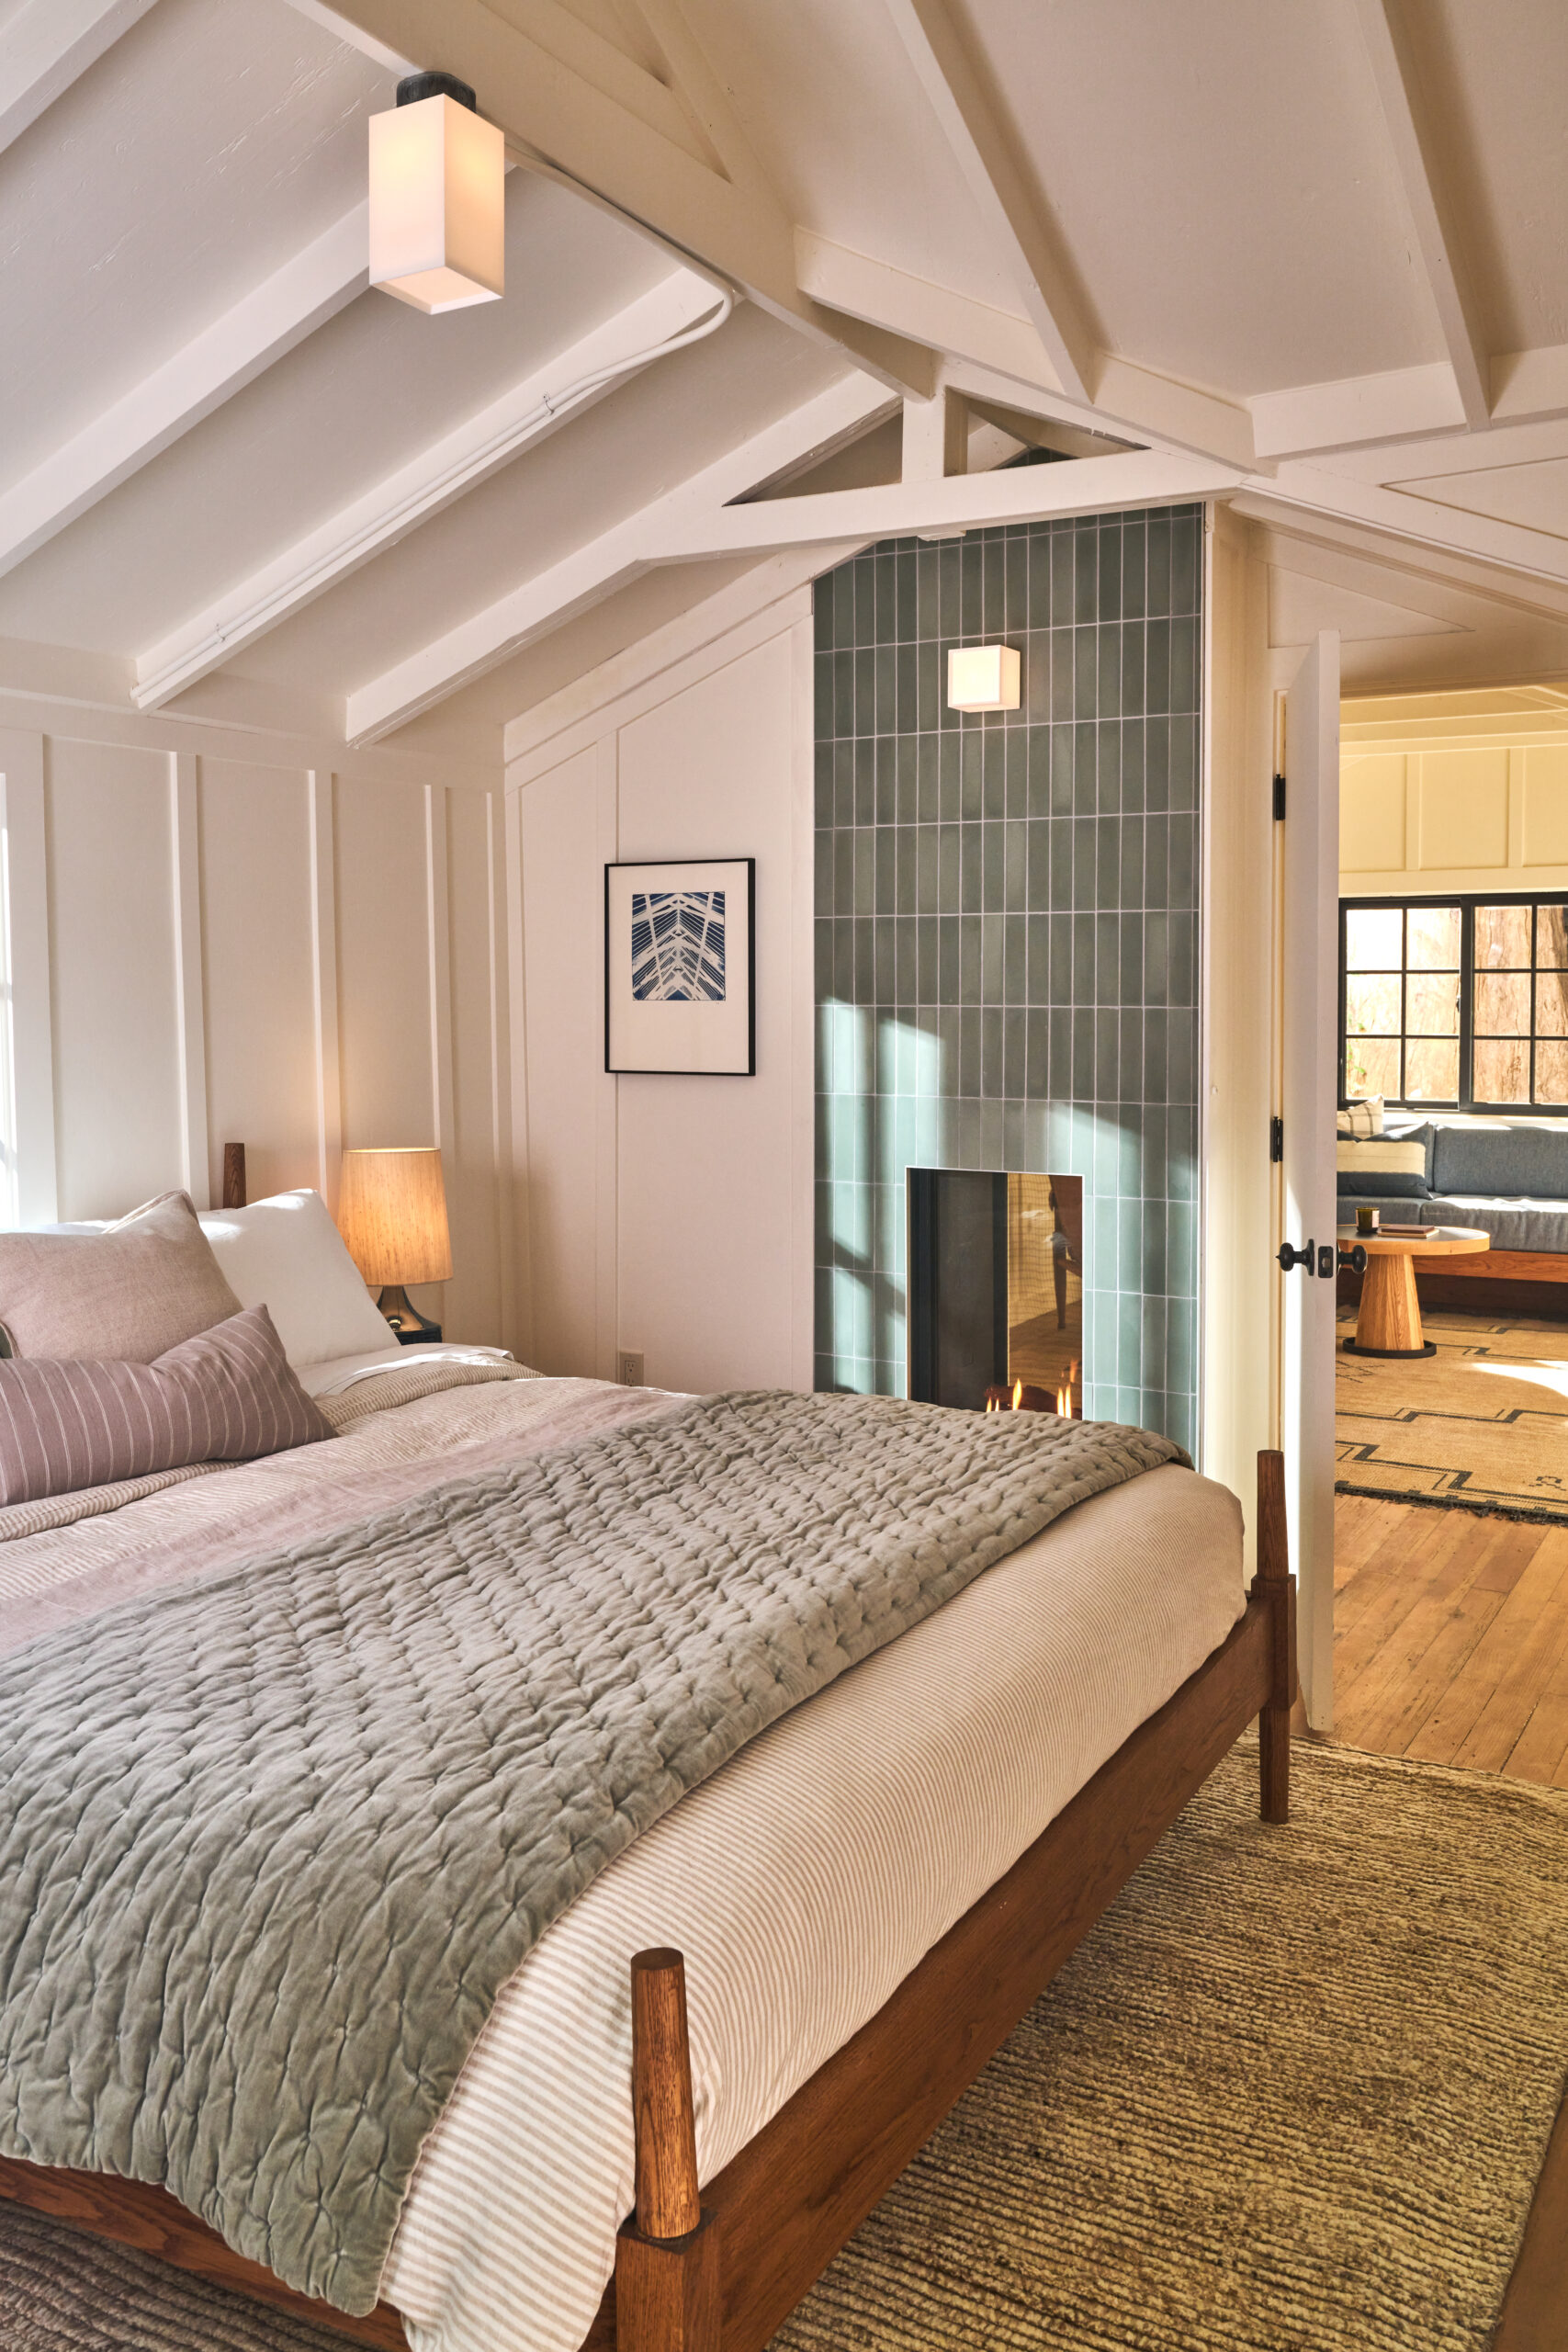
[{"x": 631, "y": 1367}]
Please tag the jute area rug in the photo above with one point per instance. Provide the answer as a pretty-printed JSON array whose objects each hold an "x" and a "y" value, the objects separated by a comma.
[
  {"x": 1292, "y": 2096},
  {"x": 1483, "y": 1425}
]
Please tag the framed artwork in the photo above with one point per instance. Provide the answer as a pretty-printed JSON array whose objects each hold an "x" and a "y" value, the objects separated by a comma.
[{"x": 680, "y": 960}]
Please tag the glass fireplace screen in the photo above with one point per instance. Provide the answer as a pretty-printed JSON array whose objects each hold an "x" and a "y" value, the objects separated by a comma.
[{"x": 995, "y": 1290}]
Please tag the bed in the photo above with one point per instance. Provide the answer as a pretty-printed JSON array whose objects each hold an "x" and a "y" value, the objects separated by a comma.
[{"x": 866, "y": 1894}]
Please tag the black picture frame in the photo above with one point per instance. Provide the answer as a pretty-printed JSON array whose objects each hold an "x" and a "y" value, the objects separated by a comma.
[{"x": 748, "y": 964}]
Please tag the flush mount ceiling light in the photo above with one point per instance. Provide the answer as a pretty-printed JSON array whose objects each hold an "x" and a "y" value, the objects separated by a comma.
[
  {"x": 437, "y": 197},
  {"x": 983, "y": 677}
]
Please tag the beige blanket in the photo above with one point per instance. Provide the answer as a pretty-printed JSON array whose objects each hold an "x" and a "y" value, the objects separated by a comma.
[{"x": 409, "y": 1428}]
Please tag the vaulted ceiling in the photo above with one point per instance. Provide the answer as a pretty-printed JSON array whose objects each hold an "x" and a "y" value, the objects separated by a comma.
[{"x": 1309, "y": 259}]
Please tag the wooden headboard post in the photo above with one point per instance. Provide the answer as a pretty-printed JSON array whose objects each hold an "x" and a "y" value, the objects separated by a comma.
[
  {"x": 1276, "y": 1581},
  {"x": 233, "y": 1175}
]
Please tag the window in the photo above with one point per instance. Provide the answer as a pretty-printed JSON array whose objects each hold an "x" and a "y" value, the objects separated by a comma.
[{"x": 1457, "y": 1002}]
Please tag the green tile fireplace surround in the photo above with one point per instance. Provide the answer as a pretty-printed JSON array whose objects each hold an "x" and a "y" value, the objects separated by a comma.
[{"x": 1007, "y": 926}]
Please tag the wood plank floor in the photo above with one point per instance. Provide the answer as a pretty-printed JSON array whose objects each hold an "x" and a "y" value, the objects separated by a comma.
[{"x": 1450, "y": 1638}]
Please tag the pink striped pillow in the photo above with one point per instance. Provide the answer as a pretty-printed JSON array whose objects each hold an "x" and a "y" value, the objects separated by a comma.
[{"x": 226, "y": 1395}]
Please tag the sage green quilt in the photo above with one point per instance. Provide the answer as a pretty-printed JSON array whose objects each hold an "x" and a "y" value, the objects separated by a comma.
[{"x": 271, "y": 1842}]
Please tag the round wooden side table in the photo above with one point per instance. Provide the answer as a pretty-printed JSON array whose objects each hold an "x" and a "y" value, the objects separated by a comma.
[{"x": 1389, "y": 1323}]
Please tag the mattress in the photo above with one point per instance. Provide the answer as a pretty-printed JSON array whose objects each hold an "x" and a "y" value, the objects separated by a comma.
[{"x": 802, "y": 1882}]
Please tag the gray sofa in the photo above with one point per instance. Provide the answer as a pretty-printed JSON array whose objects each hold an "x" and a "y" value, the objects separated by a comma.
[{"x": 1508, "y": 1178}]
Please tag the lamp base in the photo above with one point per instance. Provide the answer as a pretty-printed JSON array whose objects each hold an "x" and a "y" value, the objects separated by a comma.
[{"x": 406, "y": 1320}]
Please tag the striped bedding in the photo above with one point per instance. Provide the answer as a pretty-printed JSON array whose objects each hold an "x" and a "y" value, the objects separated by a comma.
[{"x": 803, "y": 1880}]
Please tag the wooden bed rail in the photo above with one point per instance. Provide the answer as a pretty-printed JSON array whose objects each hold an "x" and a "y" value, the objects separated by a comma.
[{"x": 667, "y": 2286}]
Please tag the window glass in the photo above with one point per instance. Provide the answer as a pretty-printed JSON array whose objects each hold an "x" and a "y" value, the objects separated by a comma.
[
  {"x": 1552, "y": 1004},
  {"x": 1431, "y": 1005},
  {"x": 1502, "y": 1069},
  {"x": 1431, "y": 1070},
  {"x": 1372, "y": 1067},
  {"x": 1371, "y": 1005},
  {"x": 1552, "y": 938},
  {"x": 1373, "y": 939},
  {"x": 1434, "y": 939},
  {"x": 1502, "y": 938},
  {"x": 1552, "y": 1073},
  {"x": 1502, "y": 1004}
]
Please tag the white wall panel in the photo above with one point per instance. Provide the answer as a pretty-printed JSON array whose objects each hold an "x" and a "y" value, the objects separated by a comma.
[
  {"x": 257, "y": 967},
  {"x": 672, "y": 1214},
  {"x": 118, "y": 1120},
  {"x": 567, "y": 1189},
  {"x": 208, "y": 946}
]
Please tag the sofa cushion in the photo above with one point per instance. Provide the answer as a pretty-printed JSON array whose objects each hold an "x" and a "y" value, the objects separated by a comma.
[
  {"x": 1513, "y": 1225},
  {"x": 1382, "y": 1169},
  {"x": 1503, "y": 1161}
]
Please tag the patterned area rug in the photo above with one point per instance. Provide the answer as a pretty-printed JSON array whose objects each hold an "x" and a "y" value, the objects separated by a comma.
[
  {"x": 1292, "y": 2096},
  {"x": 1483, "y": 1425}
]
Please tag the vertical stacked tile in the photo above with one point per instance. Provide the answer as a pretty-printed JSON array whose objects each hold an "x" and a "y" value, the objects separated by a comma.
[{"x": 1007, "y": 926}]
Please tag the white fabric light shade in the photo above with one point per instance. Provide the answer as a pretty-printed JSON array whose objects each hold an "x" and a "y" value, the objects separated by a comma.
[
  {"x": 392, "y": 1211},
  {"x": 983, "y": 677},
  {"x": 437, "y": 205}
]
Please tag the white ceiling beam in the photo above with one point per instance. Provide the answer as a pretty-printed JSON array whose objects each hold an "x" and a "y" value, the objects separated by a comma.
[
  {"x": 48, "y": 46},
  {"x": 1000, "y": 187},
  {"x": 523, "y": 416},
  {"x": 198, "y": 378},
  {"x": 1506, "y": 445},
  {"x": 1357, "y": 411},
  {"x": 1313, "y": 489},
  {"x": 954, "y": 502},
  {"x": 978, "y": 340},
  {"x": 1396, "y": 78},
  {"x": 571, "y": 102},
  {"x": 619, "y": 556}
]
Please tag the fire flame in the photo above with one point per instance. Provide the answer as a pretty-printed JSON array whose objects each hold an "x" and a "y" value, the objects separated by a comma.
[
  {"x": 1017, "y": 1395},
  {"x": 1064, "y": 1400}
]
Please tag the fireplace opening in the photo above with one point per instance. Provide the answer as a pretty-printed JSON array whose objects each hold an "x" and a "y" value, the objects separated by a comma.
[{"x": 995, "y": 1290}]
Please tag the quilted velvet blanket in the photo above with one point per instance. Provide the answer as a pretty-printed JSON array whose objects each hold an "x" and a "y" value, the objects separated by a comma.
[{"x": 271, "y": 1844}]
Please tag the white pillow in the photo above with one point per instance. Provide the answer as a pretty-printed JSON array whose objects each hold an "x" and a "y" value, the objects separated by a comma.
[{"x": 286, "y": 1255}]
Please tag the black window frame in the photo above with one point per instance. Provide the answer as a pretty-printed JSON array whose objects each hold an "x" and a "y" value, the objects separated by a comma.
[{"x": 1467, "y": 902}]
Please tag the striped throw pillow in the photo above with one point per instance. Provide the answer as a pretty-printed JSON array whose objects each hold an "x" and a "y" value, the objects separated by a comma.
[
  {"x": 1363, "y": 1118},
  {"x": 1382, "y": 1169},
  {"x": 229, "y": 1395}
]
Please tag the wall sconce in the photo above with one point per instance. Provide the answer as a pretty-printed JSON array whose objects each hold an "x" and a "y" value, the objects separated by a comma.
[
  {"x": 983, "y": 677},
  {"x": 437, "y": 197}
]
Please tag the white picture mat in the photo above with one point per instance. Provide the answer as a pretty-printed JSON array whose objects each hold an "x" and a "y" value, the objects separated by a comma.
[{"x": 707, "y": 1040}]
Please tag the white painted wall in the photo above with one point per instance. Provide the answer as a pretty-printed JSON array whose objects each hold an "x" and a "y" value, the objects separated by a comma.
[
  {"x": 214, "y": 937},
  {"x": 664, "y": 1214}
]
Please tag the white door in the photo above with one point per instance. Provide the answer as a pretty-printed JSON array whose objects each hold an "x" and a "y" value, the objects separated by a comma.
[{"x": 1309, "y": 1094}]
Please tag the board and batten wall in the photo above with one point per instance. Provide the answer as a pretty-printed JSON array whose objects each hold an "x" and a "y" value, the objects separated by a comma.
[
  {"x": 217, "y": 936},
  {"x": 666, "y": 1215},
  {"x": 1457, "y": 792}
]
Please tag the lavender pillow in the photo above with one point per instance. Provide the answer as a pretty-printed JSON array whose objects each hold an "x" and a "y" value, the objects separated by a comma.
[{"x": 226, "y": 1395}]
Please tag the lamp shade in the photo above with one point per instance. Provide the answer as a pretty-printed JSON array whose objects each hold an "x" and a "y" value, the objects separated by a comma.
[
  {"x": 983, "y": 677},
  {"x": 437, "y": 205},
  {"x": 392, "y": 1211}
]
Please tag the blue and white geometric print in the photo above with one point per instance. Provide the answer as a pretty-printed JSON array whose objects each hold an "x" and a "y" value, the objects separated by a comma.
[{"x": 678, "y": 946}]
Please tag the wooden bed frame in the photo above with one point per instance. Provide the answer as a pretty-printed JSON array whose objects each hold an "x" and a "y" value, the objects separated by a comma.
[{"x": 723, "y": 2273}]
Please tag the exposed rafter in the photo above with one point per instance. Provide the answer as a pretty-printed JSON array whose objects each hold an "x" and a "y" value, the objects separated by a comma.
[
  {"x": 1357, "y": 411},
  {"x": 983, "y": 346},
  {"x": 47, "y": 45},
  {"x": 569, "y": 99},
  {"x": 1001, "y": 189},
  {"x": 1398, "y": 88},
  {"x": 458, "y": 462},
  {"x": 267, "y": 321},
  {"x": 596, "y": 570},
  {"x": 701, "y": 519}
]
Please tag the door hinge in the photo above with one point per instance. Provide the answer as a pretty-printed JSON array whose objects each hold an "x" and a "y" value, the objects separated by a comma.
[
  {"x": 1276, "y": 1139},
  {"x": 1278, "y": 799}
]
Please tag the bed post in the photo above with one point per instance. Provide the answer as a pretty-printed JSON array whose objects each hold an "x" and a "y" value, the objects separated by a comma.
[
  {"x": 1277, "y": 1584},
  {"x": 667, "y": 2255}
]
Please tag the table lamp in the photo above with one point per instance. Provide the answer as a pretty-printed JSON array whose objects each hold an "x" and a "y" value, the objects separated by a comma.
[{"x": 392, "y": 1214}]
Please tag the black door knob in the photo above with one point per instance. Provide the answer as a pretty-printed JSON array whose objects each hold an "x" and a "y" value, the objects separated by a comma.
[
  {"x": 1355, "y": 1259},
  {"x": 1289, "y": 1257}
]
